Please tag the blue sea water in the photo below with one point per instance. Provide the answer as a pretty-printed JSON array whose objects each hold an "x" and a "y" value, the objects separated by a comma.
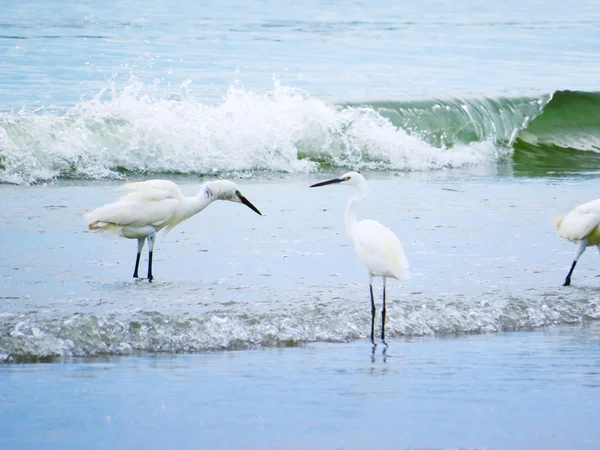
[
  {"x": 96, "y": 90},
  {"x": 52, "y": 55},
  {"x": 476, "y": 123},
  {"x": 517, "y": 390}
]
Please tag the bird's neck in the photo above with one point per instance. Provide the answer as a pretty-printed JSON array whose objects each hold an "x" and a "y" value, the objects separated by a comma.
[
  {"x": 193, "y": 205},
  {"x": 351, "y": 216}
]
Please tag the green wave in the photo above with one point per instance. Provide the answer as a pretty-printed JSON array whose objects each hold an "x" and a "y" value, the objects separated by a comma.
[
  {"x": 571, "y": 120},
  {"x": 564, "y": 138},
  {"x": 558, "y": 132},
  {"x": 446, "y": 123}
]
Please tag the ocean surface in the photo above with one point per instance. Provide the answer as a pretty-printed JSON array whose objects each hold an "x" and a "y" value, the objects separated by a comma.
[{"x": 476, "y": 125}]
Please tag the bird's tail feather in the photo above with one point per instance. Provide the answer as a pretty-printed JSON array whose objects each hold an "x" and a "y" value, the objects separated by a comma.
[
  {"x": 104, "y": 227},
  {"x": 558, "y": 222},
  {"x": 402, "y": 269},
  {"x": 403, "y": 274}
]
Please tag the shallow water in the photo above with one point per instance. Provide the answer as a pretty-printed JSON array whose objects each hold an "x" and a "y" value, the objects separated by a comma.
[
  {"x": 483, "y": 251},
  {"x": 476, "y": 126},
  {"x": 537, "y": 390}
]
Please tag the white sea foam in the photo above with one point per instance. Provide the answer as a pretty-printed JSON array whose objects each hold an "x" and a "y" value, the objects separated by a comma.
[
  {"x": 286, "y": 130},
  {"x": 29, "y": 336}
]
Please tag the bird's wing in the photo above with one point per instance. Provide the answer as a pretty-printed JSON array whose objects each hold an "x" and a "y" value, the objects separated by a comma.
[
  {"x": 580, "y": 222},
  {"x": 592, "y": 207},
  {"x": 134, "y": 213},
  {"x": 152, "y": 190},
  {"x": 380, "y": 250}
]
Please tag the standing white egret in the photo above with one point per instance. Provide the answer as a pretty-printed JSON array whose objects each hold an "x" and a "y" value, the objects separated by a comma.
[
  {"x": 378, "y": 248},
  {"x": 582, "y": 227},
  {"x": 157, "y": 204}
]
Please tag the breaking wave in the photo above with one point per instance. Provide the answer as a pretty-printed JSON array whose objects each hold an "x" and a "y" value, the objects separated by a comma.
[
  {"x": 29, "y": 337},
  {"x": 137, "y": 131}
]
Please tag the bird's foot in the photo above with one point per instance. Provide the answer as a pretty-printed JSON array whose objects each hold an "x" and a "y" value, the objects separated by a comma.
[
  {"x": 139, "y": 279},
  {"x": 567, "y": 282},
  {"x": 384, "y": 343}
]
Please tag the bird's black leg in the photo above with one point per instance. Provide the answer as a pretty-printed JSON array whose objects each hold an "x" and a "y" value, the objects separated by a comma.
[
  {"x": 150, "y": 277},
  {"x": 141, "y": 242},
  {"x": 568, "y": 279},
  {"x": 383, "y": 311},
  {"x": 372, "y": 314},
  {"x": 580, "y": 249},
  {"x": 151, "y": 247}
]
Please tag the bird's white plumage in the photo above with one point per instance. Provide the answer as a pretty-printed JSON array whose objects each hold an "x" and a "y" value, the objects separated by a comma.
[
  {"x": 155, "y": 205},
  {"x": 135, "y": 212},
  {"x": 377, "y": 247},
  {"x": 580, "y": 222},
  {"x": 380, "y": 250},
  {"x": 153, "y": 190},
  {"x": 582, "y": 227}
]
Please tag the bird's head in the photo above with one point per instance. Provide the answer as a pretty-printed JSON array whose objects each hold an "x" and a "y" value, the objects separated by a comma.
[
  {"x": 228, "y": 190},
  {"x": 352, "y": 178}
]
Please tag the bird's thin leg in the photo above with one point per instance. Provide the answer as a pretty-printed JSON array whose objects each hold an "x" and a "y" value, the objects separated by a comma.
[
  {"x": 141, "y": 242},
  {"x": 383, "y": 311},
  {"x": 580, "y": 249},
  {"x": 372, "y": 314},
  {"x": 151, "y": 237}
]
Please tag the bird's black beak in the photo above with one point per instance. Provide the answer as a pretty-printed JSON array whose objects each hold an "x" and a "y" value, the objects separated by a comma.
[
  {"x": 325, "y": 183},
  {"x": 246, "y": 202}
]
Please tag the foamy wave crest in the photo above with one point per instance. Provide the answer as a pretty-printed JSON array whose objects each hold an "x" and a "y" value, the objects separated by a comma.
[
  {"x": 283, "y": 130},
  {"x": 31, "y": 337}
]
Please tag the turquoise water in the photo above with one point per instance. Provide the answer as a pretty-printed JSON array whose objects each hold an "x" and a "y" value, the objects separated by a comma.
[
  {"x": 52, "y": 55},
  {"x": 476, "y": 125},
  {"x": 96, "y": 91},
  {"x": 519, "y": 390}
]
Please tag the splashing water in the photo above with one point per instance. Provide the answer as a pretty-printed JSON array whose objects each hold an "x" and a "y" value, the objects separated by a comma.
[{"x": 283, "y": 130}]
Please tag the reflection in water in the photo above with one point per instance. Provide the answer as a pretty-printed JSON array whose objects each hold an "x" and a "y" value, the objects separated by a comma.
[
  {"x": 383, "y": 352},
  {"x": 539, "y": 388}
]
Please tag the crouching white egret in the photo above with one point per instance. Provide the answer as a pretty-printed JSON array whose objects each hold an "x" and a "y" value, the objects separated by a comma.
[
  {"x": 156, "y": 204},
  {"x": 582, "y": 227},
  {"x": 378, "y": 248}
]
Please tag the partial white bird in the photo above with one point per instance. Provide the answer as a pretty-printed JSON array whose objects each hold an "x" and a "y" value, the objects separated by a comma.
[
  {"x": 157, "y": 204},
  {"x": 378, "y": 248},
  {"x": 582, "y": 227}
]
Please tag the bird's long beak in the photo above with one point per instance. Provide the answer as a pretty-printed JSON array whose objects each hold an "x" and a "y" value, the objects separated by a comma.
[
  {"x": 325, "y": 183},
  {"x": 246, "y": 202}
]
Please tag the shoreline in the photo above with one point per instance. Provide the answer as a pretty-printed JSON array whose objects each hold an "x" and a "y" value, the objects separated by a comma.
[
  {"x": 534, "y": 390},
  {"x": 483, "y": 252}
]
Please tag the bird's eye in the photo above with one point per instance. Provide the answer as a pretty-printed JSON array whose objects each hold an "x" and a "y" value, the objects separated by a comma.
[
  {"x": 348, "y": 178},
  {"x": 238, "y": 193}
]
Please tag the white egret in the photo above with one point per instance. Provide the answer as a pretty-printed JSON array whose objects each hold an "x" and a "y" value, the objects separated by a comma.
[
  {"x": 378, "y": 248},
  {"x": 582, "y": 227},
  {"x": 157, "y": 204}
]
